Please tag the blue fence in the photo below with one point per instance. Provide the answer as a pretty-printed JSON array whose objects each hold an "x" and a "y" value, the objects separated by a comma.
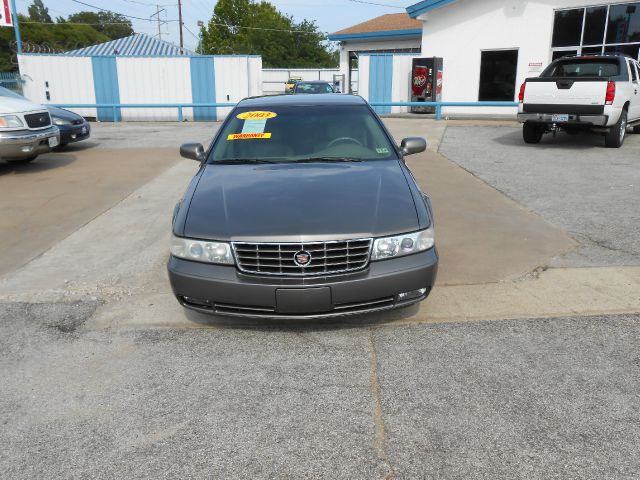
[
  {"x": 115, "y": 107},
  {"x": 12, "y": 81}
]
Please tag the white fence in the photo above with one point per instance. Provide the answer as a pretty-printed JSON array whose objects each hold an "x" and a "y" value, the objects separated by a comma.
[{"x": 64, "y": 79}]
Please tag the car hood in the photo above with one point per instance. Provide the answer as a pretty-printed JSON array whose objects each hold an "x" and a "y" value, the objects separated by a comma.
[
  {"x": 62, "y": 113},
  {"x": 301, "y": 202},
  {"x": 10, "y": 105}
]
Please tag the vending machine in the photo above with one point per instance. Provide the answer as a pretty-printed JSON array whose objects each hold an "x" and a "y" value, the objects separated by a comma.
[{"x": 426, "y": 82}]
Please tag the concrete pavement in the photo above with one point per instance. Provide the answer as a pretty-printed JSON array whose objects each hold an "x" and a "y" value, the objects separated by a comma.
[{"x": 104, "y": 375}]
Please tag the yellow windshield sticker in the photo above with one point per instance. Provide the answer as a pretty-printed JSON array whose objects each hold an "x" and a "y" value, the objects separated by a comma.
[
  {"x": 257, "y": 115},
  {"x": 248, "y": 136}
]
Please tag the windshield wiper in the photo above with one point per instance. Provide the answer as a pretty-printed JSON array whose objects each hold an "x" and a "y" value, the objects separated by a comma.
[
  {"x": 232, "y": 161},
  {"x": 328, "y": 160}
]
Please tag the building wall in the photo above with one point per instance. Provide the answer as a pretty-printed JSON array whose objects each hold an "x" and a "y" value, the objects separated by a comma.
[
  {"x": 148, "y": 80},
  {"x": 461, "y": 31},
  {"x": 354, "y": 46},
  {"x": 38, "y": 70},
  {"x": 141, "y": 80},
  {"x": 387, "y": 80}
]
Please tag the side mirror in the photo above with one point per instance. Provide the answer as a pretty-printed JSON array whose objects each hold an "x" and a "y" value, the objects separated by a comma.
[
  {"x": 192, "y": 151},
  {"x": 411, "y": 145}
]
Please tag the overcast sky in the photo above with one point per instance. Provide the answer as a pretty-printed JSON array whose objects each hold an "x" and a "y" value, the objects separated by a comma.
[{"x": 330, "y": 15}]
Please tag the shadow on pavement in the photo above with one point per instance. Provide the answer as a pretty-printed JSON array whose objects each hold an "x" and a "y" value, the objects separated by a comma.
[
  {"x": 43, "y": 163},
  {"x": 562, "y": 141}
]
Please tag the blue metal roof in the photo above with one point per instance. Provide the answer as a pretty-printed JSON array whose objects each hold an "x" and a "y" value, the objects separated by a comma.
[
  {"x": 426, "y": 6},
  {"x": 384, "y": 34},
  {"x": 136, "y": 45}
]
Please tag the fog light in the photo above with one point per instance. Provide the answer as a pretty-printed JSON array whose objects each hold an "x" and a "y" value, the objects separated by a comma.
[
  {"x": 27, "y": 149},
  {"x": 411, "y": 295},
  {"x": 196, "y": 301}
]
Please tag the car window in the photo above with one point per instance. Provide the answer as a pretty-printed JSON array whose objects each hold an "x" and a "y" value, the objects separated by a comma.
[
  {"x": 290, "y": 133},
  {"x": 313, "y": 88},
  {"x": 632, "y": 69},
  {"x": 583, "y": 68}
]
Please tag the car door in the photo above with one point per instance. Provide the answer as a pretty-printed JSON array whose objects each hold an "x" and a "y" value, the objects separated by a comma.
[{"x": 634, "y": 101}]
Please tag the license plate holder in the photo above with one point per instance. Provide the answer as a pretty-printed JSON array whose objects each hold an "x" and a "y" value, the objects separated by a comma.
[
  {"x": 53, "y": 142},
  {"x": 303, "y": 300},
  {"x": 560, "y": 117}
]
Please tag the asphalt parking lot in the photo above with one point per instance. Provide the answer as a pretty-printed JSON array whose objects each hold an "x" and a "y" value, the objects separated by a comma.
[{"x": 524, "y": 362}]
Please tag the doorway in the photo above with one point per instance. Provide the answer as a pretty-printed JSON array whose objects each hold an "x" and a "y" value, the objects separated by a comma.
[{"x": 498, "y": 69}]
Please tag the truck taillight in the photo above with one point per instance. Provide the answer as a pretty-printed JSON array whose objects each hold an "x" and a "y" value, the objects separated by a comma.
[
  {"x": 611, "y": 93},
  {"x": 521, "y": 94}
]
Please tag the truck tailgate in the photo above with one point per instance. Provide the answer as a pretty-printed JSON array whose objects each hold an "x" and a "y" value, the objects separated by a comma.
[{"x": 561, "y": 94}]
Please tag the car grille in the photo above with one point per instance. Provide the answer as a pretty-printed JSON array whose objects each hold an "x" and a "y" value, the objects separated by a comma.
[
  {"x": 326, "y": 257},
  {"x": 37, "y": 120}
]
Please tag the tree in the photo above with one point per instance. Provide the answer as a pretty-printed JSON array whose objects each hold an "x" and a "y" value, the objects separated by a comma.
[
  {"x": 45, "y": 38},
  {"x": 250, "y": 27},
  {"x": 113, "y": 25},
  {"x": 38, "y": 12}
]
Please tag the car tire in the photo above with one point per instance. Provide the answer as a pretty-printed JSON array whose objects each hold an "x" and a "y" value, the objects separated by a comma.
[
  {"x": 636, "y": 129},
  {"x": 532, "y": 132},
  {"x": 19, "y": 161},
  {"x": 615, "y": 136}
]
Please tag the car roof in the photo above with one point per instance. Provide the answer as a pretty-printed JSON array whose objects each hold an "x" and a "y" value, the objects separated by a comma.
[
  {"x": 313, "y": 81},
  {"x": 292, "y": 100}
]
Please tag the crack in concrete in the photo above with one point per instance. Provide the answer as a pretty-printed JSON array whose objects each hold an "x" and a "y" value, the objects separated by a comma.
[{"x": 378, "y": 419}]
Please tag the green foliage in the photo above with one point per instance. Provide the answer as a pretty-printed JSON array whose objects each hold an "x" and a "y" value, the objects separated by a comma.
[
  {"x": 112, "y": 25},
  {"x": 38, "y": 12},
  {"x": 39, "y": 35},
  {"x": 250, "y": 27}
]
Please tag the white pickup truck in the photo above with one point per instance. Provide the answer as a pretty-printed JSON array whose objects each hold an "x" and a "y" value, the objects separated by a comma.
[
  {"x": 25, "y": 130},
  {"x": 597, "y": 93}
]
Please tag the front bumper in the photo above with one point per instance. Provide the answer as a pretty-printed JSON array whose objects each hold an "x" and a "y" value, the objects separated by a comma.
[
  {"x": 586, "y": 120},
  {"x": 223, "y": 290},
  {"x": 26, "y": 143},
  {"x": 74, "y": 133}
]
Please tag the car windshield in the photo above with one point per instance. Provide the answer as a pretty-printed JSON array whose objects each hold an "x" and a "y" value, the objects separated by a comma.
[
  {"x": 302, "y": 133},
  {"x": 5, "y": 92},
  {"x": 313, "y": 88},
  {"x": 596, "y": 67}
]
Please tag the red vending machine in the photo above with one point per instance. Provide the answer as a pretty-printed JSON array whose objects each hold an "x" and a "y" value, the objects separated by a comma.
[{"x": 426, "y": 82}]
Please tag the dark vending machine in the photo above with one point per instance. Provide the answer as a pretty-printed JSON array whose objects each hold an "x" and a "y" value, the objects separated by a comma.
[{"x": 426, "y": 82}]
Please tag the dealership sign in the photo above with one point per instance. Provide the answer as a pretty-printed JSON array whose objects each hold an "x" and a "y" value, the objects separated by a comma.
[{"x": 5, "y": 14}]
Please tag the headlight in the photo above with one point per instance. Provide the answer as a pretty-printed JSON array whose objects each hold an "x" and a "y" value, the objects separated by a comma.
[
  {"x": 201, "y": 251},
  {"x": 61, "y": 121},
  {"x": 400, "y": 245},
  {"x": 10, "y": 121}
]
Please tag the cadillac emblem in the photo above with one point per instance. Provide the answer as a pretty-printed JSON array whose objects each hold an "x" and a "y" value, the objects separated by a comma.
[{"x": 302, "y": 258}]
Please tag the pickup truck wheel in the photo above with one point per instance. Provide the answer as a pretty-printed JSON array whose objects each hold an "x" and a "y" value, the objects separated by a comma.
[
  {"x": 615, "y": 137},
  {"x": 636, "y": 129},
  {"x": 22, "y": 160},
  {"x": 532, "y": 132}
]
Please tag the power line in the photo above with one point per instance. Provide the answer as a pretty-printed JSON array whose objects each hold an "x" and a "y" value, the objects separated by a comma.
[
  {"x": 378, "y": 4},
  {"x": 116, "y": 13}
]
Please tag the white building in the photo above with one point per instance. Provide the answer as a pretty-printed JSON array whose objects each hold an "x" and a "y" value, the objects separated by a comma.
[{"x": 490, "y": 46}]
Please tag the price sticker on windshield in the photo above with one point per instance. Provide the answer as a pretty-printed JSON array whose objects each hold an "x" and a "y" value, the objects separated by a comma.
[{"x": 257, "y": 115}]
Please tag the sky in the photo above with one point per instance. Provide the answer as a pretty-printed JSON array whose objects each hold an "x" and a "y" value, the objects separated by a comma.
[{"x": 329, "y": 15}]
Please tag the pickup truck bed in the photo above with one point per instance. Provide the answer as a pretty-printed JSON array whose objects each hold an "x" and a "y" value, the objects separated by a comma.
[{"x": 582, "y": 93}]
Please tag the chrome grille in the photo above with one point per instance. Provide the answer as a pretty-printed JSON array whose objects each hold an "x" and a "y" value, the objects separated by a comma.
[
  {"x": 326, "y": 257},
  {"x": 38, "y": 120}
]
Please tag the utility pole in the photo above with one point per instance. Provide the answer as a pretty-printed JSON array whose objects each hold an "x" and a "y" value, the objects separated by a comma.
[
  {"x": 160, "y": 23},
  {"x": 16, "y": 25},
  {"x": 180, "y": 22}
]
